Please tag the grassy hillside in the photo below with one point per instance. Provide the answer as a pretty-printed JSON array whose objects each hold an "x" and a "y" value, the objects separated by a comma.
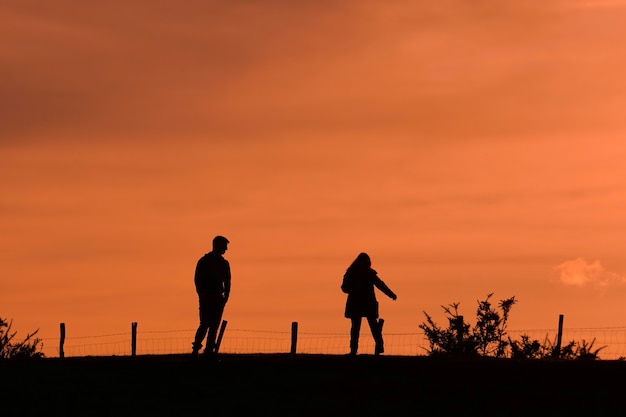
[{"x": 309, "y": 385}]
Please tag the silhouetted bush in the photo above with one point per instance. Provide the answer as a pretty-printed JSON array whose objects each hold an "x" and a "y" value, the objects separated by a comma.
[
  {"x": 582, "y": 350},
  {"x": 30, "y": 347},
  {"x": 530, "y": 349},
  {"x": 488, "y": 337},
  {"x": 533, "y": 349}
]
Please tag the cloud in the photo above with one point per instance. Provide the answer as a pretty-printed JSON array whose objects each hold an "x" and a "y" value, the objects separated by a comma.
[{"x": 582, "y": 273}]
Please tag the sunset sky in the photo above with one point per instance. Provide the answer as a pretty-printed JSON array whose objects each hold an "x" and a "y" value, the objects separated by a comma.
[{"x": 469, "y": 147}]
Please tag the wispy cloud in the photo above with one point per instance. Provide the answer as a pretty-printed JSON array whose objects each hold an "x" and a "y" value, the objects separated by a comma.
[{"x": 580, "y": 272}]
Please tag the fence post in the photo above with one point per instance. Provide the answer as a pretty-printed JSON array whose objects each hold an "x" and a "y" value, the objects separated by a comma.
[
  {"x": 133, "y": 343},
  {"x": 294, "y": 337},
  {"x": 556, "y": 353},
  {"x": 459, "y": 333},
  {"x": 62, "y": 341},
  {"x": 219, "y": 337}
]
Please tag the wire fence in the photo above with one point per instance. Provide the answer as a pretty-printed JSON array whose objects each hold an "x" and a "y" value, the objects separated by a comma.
[{"x": 612, "y": 340}]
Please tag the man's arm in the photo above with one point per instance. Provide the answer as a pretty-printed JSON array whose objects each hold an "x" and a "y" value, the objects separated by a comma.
[
  {"x": 227, "y": 282},
  {"x": 197, "y": 277}
]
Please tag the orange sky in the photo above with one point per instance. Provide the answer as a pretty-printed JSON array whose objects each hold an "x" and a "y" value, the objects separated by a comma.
[{"x": 468, "y": 147}]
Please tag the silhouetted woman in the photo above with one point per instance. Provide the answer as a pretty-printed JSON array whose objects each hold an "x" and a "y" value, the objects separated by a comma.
[{"x": 359, "y": 282}]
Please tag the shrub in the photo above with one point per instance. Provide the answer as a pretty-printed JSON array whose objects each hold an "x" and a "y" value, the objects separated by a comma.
[
  {"x": 486, "y": 338},
  {"x": 582, "y": 350},
  {"x": 532, "y": 349},
  {"x": 526, "y": 348},
  {"x": 30, "y": 347},
  {"x": 489, "y": 336}
]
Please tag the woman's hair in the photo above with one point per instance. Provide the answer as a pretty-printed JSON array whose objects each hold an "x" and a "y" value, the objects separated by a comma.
[{"x": 362, "y": 261}]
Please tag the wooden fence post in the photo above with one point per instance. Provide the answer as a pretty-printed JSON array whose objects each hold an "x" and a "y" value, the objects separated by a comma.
[
  {"x": 219, "y": 337},
  {"x": 133, "y": 343},
  {"x": 294, "y": 337},
  {"x": 556, "y": 353},
  {"x": 62, "y": 341}
]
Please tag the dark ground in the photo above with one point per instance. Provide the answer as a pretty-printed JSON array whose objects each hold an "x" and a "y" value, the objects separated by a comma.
[{"x": 310, "y": 385}]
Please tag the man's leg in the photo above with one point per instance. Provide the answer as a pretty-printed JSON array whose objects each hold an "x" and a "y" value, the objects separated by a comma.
[
  {"x": 200, "y": 334},
  {"x": 202, "y": 327},
  {"x": 214, "y": 324},
  {"x": 355, "y": 331},
  {"x": 210, "y": 340}
]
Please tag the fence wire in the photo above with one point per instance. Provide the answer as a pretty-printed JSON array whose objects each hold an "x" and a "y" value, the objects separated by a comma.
[{"x": 612, "y": 340}]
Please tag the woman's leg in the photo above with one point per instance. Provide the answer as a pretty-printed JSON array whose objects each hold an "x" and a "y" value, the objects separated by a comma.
[
  {"x": 377, "y": 334},
  {"x": 354, "y": 335}
]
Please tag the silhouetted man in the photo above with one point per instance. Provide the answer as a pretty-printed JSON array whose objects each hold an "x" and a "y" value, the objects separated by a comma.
[{"x": 212, "y": 280}]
